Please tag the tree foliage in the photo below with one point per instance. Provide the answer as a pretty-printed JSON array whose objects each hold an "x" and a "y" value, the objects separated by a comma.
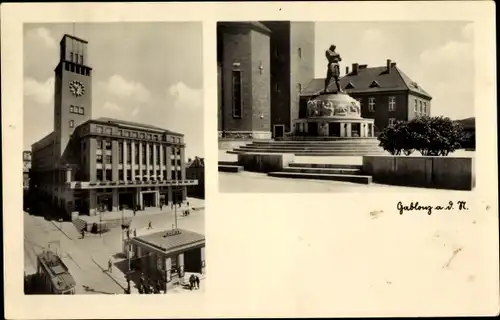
[{"x": 431, "y": 136}]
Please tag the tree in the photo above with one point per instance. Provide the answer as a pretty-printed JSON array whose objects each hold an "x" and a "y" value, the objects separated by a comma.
[{"x": 431, "y": 136}]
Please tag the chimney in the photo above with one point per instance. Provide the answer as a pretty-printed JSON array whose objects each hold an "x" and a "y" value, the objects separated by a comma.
[
  {"x": 388, "y": 65},
  {"x": 355, "y": 68},
  {"x": 347, "y": 70},
  {"x": 393, "y": 64}
]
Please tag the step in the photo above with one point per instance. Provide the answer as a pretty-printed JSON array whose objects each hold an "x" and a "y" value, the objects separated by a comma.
[
  {"x": 321, "y": 154},
  {"x": 323, "y": 170},
  {"x": 230, "y": 168},
  {"x": 346, "y": 148},
  {"x": 292, "y": 150},
  {"x": 317, "y": 176},
  {"x": 325, "y": 165},
  {"x": 227, "y": 163}
]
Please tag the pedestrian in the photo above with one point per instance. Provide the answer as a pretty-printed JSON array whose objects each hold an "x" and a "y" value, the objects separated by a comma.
[
  {"x": 197, "y": 282},
  {"x": 150, "y": 226},
  {"x": 191, "y": 282},
  {"x": 83, "y": 233},
  {"x": 110, "y": 266},
  {"x": 134, "y": 211},
  {"x": 158, "y": 286},
  {"x": 188, "y": 203},
  {"x": 161, "y": 206}
]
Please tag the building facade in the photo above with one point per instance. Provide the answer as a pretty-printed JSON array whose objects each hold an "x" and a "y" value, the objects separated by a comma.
[
  {"x": 195, "y": 170},
  {"x": 262, "y": 68},
  {"x": 90, "y": 165},
  {"x": 26, "y": 168},
  {"x": 386, "y": 94}
]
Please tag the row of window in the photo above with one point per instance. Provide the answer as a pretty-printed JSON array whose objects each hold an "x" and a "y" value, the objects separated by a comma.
[
  {"x": 392, "y": 105},
  {"x": 135, "y": 134},
  {"x": 75, "y": 57},
  {"x": 76, "y": 109},
  {"x": 421, "y": 104},
  {"x": 84, "y": 71},
  {"x": 106, "y": 174}
]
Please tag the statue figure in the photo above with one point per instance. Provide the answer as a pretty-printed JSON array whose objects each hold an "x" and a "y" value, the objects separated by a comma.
[
  {"x": 333, "y": 68},
  {"x": 312, "y": 108}
]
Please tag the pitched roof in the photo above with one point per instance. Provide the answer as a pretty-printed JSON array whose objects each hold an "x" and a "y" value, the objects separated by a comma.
[
  {"x": 135, "y": 124},
  {"x": 363, "y": 81},
  {"x": 168, "y": 241},
  {"x": 197, "y": 163}
]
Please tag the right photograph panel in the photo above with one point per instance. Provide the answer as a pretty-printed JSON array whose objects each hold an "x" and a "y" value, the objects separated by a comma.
[{"x": 345, "y": 106}]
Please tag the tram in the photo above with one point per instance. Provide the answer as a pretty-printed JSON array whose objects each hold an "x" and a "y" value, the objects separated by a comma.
[{"x": 53, "y": 274}]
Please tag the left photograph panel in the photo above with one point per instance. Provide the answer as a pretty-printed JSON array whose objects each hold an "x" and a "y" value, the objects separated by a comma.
[{"x": 113, "y": 158}]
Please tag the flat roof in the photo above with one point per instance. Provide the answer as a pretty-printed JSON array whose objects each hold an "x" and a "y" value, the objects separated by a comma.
[{"x": 171, "y": 240}]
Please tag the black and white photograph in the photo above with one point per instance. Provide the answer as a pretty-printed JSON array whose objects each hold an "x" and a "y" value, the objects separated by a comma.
[
  {"x": 113, "y": 164},
  {"x": 321, "y": 107}
]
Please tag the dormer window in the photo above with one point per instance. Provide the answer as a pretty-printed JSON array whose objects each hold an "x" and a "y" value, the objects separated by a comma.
[
  {"x": 349, "y": 86},
  {"x": 374, "y": 84}
]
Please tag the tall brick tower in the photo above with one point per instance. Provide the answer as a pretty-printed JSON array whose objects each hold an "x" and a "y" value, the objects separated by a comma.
[
  {"x": 73, "y": 90},
  {"x": 292, "y": 68}
]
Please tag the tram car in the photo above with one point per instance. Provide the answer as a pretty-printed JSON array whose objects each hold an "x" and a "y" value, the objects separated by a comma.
[{"x": 53, "y": 274}]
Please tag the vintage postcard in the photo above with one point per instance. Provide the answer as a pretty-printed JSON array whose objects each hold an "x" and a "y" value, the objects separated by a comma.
[{"x": 249, "y": 160}]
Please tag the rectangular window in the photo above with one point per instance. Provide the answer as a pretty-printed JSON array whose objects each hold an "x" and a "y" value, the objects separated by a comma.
[
  {"x": 81, "y": 58},
  {"x": 391, "y": 121},
  {"x": 150, "y": 154},
  {"x": 173, "y": 176},
  {"x": 136, "y": 155},
  {"x": 142, "y": 135},
  {"x": 127, "y": 133},
  {"x": 66, "y": 66},
  {"x": 129, "y": 152},
  {"x": 71, "y": 123},
  {"x": 99, "y": 174},
  {"x": 158, "y": 155},
  {"x": 137, "y": 174},
  {"x": 71, "y": 109},
  {"x": 129, "y": 175},
  {"x": 149, "y": 136},
  {"x": 179, "y": 162},
  {"x": 120, "y": 175},
  {"x": 415, "y": 105},
  {"x": 134, "y": 134},
  {"x": 99, "y": 144},
  {"x": 109, "y": 175},
  {"x": 99, "y": 129},
  {"x": 172, "y": 162},
  {"x": 172, "y": 150},
  {"x": 143, "y": 154},
  {"x": 120, "y": 152},
  {"x": 120, "y": 132},
  {"x": 107, "y": 130},
  {"x": 155, "y": 137},
  {"x": 109, "y": 159},
  {"x": 299, "y": 87},
  {"x": 99, "y": 158},
  {"x": 82, "y": 111},
  {"x": 421, "y": 107},
  {"x": 425, "y": 107},
  {"x": 237, "y": 98},
  {"x": 371, "y": 104},
  {"x": 108, "y": 145},
  {"x": 71, "y": 56},
  {"x": 392, "y": 103}
]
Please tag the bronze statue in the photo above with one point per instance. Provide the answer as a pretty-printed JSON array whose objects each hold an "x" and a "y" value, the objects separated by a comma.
[{"x": 333, "y": 68}]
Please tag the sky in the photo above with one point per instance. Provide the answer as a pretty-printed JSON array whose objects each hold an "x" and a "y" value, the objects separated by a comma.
[
  {"x": 144, "y": 72},
  {"x": 439, "y": 56}
]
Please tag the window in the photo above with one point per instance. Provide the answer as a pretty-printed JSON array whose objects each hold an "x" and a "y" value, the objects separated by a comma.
[
  {"x": 82, "y": 110},
  {"x": 157, "y": 154},
  {"x": 120, "y": 175},
  {"x": 172, "y": 162},
  {"x": 178, "y": 151},
  {"x": 134, "y": 134},
  {"x": 99, "y": 174},
  {"x": 66, "y": 66},
  {"x": 71, "y": 57},
  {"x": 237, "y": 99},
  {"x": 99, "y": 158},
  {"x": 107, "y": 130},
  {"x": 421, "y": 107},
  {"x": 155, "y": 137},
  {"x": 127, "y": 133},
  {"x": 142, "y": 135},
  {"x": 173, "y": 151},
  {"x": 129, "y": 175},
  {"x": 392, "y": 103},
  {"x": 71, "y": 109},
  {"x": 109, "y": 159},
  {"x": 425, "y": 107},
  {"x": 179, "y": 162},
  {"x": 109, "y": 175},
  {"x": 108, "y": 145},
  {"x": 371, "y": 104},
  {"x": 374, "y": 84},
  {"x": 99, "y": 144},
  {"x": 120, "y": 132},
  {"x": 149, "y": 137},
  {"x": 99, "y": 129},
  {"x": 173, "y": 175},
  {"x": 391, "y": 121},
  {"x": 129, "y": 152},
  {"x": 143, "y": 154},
  {"x": 136, "y": 155},
  {"x": 81, "y": 58},
  {"x": 415, "y": 105},
  {"x": 300, "y": 53},
  {"x": 299, "y": 87},
  {"x": 71, "y": 124},
  {"x": 349, "y": 86},
  {"x": 137, "y": 174},
  {"x": 150, "y": 154},
  {"x": 120, "y": 152}
]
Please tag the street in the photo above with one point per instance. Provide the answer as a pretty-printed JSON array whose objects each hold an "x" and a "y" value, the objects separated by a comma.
[{"x": 87, "y": 258}]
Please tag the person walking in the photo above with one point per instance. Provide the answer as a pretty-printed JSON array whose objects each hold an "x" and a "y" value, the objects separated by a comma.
[
  {"x": 197, "y": 280},
  {"x": 150, "y": 226},
  {"x": 110, "y": 266},
  {"x": 191, "y": 282}
]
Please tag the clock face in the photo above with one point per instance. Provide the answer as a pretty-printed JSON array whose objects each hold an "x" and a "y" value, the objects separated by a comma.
[{"x": 77, "y": 88}]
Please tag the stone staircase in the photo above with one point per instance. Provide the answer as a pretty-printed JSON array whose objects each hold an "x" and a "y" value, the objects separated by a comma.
[
  {"x": 229, "y": 166},
  {"x": 316, "y": 171},
  {"x": 332, "y": 147}
]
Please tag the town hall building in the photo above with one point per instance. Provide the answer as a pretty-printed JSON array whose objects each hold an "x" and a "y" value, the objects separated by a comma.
[{"x": 89, "y": 165}]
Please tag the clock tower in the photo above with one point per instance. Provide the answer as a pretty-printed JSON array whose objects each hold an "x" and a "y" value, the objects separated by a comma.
[{"x": 73, "y": 90}]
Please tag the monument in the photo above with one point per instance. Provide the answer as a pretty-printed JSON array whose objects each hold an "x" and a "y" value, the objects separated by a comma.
[{"x": 334, "y": 114}]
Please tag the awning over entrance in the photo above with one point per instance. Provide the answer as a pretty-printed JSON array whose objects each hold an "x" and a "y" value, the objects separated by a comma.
[{"x": 170, "y": 241}]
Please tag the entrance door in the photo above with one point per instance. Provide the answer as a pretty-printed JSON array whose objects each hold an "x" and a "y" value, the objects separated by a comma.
[
  {"x": 279, "y": 130},
  {"x": 334, "y": 129},
  {"x": 192, "y": 260},
  {"x": 313, "y": 129},
  {"x": 149, "y": 200}
]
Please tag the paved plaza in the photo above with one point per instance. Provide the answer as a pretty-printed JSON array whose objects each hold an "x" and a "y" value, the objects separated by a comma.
[{"x": 88, "y": 258}]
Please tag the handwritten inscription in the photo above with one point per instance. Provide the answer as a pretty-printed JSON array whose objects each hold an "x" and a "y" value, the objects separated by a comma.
[{"x": 416, "y": 206}]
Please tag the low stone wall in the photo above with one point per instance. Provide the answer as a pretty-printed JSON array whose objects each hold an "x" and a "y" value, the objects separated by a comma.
[
  {"x": 264, "y": 162},
  {"x": 429, "y": 172}
]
